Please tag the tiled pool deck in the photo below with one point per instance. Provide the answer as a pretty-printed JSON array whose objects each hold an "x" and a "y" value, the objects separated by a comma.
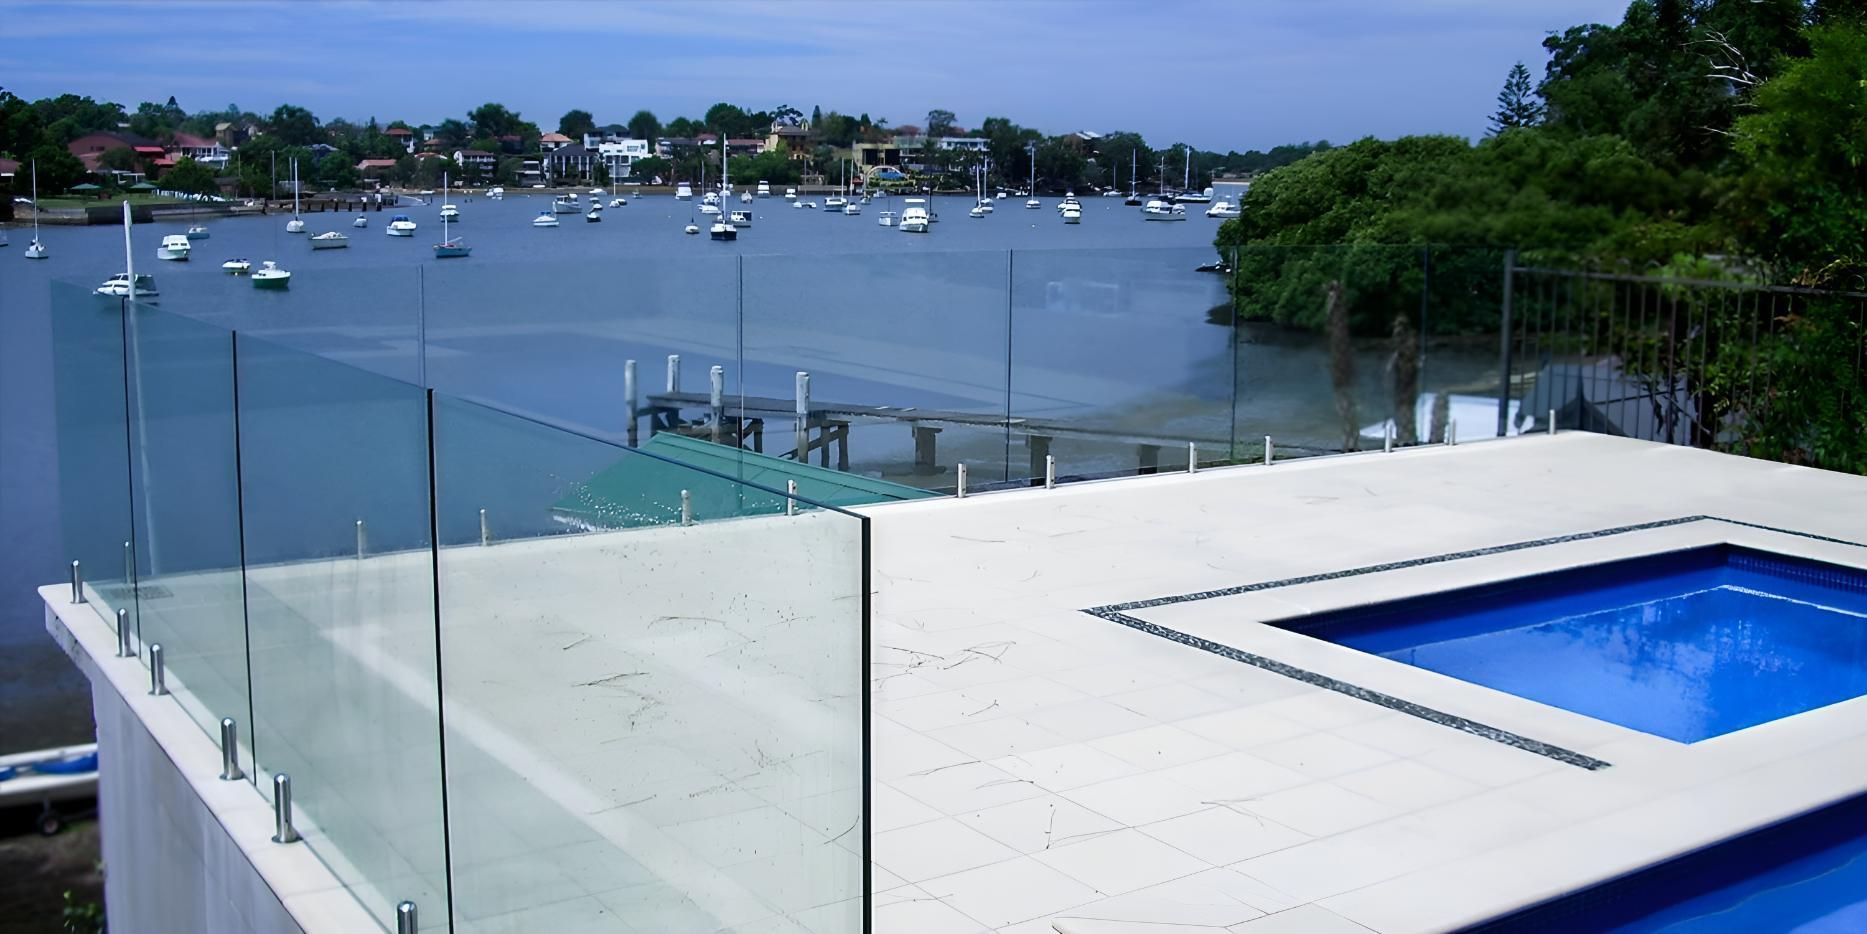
[{"x": 1081, "y": 724}]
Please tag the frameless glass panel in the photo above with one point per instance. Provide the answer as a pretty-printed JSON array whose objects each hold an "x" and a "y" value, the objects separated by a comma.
[
  {"x": 92, "y": 426},
  {"x": 184, "y": 464},
  {"x": 906, "y": 354},
  {"x": 340, "y": 594},
  {"x": 1119, "y": 359},
  {"x": 553, "y": 340},
  {"x": 651, "y": 725}
]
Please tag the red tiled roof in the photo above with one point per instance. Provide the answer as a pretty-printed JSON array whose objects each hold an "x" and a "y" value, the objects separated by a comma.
[
  {"x": 193, "y": 142},
  {"x": 368, "y": 164},
  {"x": 554, "y": 138},
  {"x": 8, "y": 167},
  {"x": 148, "y": 150},
  {"x": 398, "y": 131},
  {"x": 163, "y": 162}
]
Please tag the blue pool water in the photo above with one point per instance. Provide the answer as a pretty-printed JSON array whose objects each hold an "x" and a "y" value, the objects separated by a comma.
[
  {"x": 1687, "y": 645},
  {"x": 1808, "y": 875}
]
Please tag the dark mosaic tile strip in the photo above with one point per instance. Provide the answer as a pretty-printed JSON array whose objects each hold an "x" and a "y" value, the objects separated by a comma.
[
  {"x": 1452, "y": 556},
  {"x": 1306, "y": 676}
]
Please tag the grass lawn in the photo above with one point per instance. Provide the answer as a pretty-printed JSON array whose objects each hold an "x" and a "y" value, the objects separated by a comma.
[{"x": 67, "y": 203}]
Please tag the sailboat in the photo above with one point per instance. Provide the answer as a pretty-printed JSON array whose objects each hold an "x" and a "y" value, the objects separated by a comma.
[
  {"x": 35, "y": 249},
  {"x": 723, "y": 228},
  {"x": 296, "y": 224},
  {"x": 1032, "y": 202},
  {"x": 449, "y": 247},
  {"x": 1187, "y": 195},
  {"x": 835, "y": 201}
]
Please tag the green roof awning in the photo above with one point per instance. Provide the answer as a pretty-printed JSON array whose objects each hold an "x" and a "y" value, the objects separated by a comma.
[
  {"x": 638, "y": 491},
  {"x": 142, "y": 186},
  {"x": 87, "y": 186}
]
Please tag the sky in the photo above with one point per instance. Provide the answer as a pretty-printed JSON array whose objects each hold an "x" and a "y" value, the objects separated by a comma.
[{"x": 1219, "y": 74}]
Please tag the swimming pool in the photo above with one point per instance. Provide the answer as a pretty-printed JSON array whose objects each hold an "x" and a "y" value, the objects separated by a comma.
[
  {"x": 1686, "y": 645},
  {"x": 1807, "y": 875}
]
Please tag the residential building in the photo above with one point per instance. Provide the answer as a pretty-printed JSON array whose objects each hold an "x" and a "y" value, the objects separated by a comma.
[
  {"x": 964, "y": 143},
  {"x": 667, "y": 146},
  {"x": 476, "y": 159},
  {"x": 90, "y": 147},
  {"x": 619, "y": 156},
  {"x": 573, "y": 161},
  {"x": 552, "y": 142},
  {"x": 402, "y": 135},
  {"x": 791, "y": 140},
  {"x": 232, "y": 134},
  {"x": 208, "y": 152}
]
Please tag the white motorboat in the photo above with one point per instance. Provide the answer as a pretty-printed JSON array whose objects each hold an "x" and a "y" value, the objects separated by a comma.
[
  {"x": 361, "y": 221},
  {"x": 745, "y": 197},
  {"x": 1033, "y": 203},
  {"x": 174, "y": 247},
  {"x": 711, "y": 197},
  {"x": 710, "y": 209},
  {"x": 914, "y": 216},
  {"x": 329, "y": 240},
  {"x": 741, "y": 218},
  {"x": 270, "y": 276},
  {"x": 885, "y": 218},
  {"x": 450, "y": 213},
  {"x": 1222, "y": 208},
  {"x": 1072, "y": 214},
  {"x": 118, "y": 286},
  {"x": 198, "y": 232},
  {"x": 566, "y": 204},
  {"x": 401, "y": 226},
  {"x": 238, "y": 267},
  {"x": 545, "y": 219},
  {"x": 865, "y": 200},
  {"x": 683, "y": 192},
  {"x": 834, "y": 203},
  {"x": 497, "y": 193},
  {"x": 36, "y": 249},
  {"x": 851, "y": 209},
  {"x": 790, "y": 194},
  {"x": 594, "y": 215},
  {"x": 617, "y": 202},
  {"x": 596, "y": 203},
  {"x": 1157, "y": 210},
  {"x": 594, "y": 192},
  {"x": 296, "y": 224},
  {"x": 764, "y": 189},
  {"x": 691, "y": 228}
]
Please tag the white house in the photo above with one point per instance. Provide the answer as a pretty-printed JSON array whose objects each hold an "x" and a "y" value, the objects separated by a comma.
[
  {"x": 209, "y": 152},
  {"x": 620, "y": 156},
  {"x": 965, "y": 143}
]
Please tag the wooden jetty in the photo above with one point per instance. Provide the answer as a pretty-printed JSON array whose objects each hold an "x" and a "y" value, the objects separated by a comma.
[{"x": 821, "y": 426}]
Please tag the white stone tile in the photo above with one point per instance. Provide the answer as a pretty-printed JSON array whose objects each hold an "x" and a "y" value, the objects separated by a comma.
[
  {"x": 1064, "y": 767},
  {"x": 1158, "y": 747},
  {"x": 1234, "y": 777},
  {"x": 910, "y": 910},
  {"x": 1122, "y": 861},
  {"x": 936, "y": 848},
  {"x": 991, "y": 739},
  {"x": 1088, "y": 719},
  {"x": 1169, "y": 702},
  {"x": 890, "y": 809},
  {"x": 1325, "y": 710},
  {"x": 1244, "y": 728},
  {"x": 1318, "y": 809},
  {"x": 1321, "y": 755},
  {"x": 1224, "y": 835},
  {"x": 1138, "y": 799},
  {"x": 1011, "y": 892},
  {"x": 1407, "y": 784},
  {"x": 1306, "y": 919},
  {"x": 1037, "y": 824},
  {"x": 965, "y": 787}
]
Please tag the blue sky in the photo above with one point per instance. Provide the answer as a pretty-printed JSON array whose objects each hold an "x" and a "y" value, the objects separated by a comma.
[{"x": 1221, "y": 74}]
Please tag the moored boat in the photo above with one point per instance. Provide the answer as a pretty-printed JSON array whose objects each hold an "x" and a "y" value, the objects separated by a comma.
[
  {"x": 329, "y": 240},
  {"x": 400, "y": 226},
  {"x": 198, "y": 232},
  {"x": 545, "y": 219},
  {"x": 238, "y": 266},
  {"x": 270, "y": 276},
  {"x": 885, "y": 218},
  {"x": 118, "y": 286},
  {"x": 361, "y": 221},
  {"x": 175, "y": 248}
]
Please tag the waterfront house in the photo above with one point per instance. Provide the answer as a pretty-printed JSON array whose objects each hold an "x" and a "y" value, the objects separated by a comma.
[
  {"x": 552, "y": 142},
  {"x": 668, "y": 147},
  {"x": 794, "y": 141},
  {"x": 572, "y": 161},
  {"x": 90, "y": 147},
  {"x": 964, "y": 143},
  {"x": 208, "y": 152},
  {"x": 620, "y": 155},
  {"x": 476, "y": 159},
  {"x": 402, "y": 135}
]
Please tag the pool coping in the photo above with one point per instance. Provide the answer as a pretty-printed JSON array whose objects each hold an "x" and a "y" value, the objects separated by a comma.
[{"x": 1713, "y": 779}]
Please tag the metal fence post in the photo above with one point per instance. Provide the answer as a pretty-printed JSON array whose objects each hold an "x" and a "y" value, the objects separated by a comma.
[
  {"x": 486, "y": 531},
  {"x": 674, "y": 372},
  {"x": 790, "y": 497},
  {"x": 803, "y": 416},
  {"x": 405, "y": 919},
  {"x": 125, "y": 648},
  {"x": 362, "y": 541},
  {"x": 158, "y": 686},
  {"x": 230, "y": 751},
  {"x": 1268, "y": 450},
  {"x": 1192, "y": 457},
  {"x": 1503, "y": 344},
  {"x": 1050, "y": 471},
  {"x": 284, "y": 832},
  {"x": 629, "y": 398},
  {"x": 716, "y": 378},
  {"x": 1552, "y": 421},
  {"x": 77, "y": 583},
  {"x": 687, "y": 508},
  {"x": 960, "y": 472}
]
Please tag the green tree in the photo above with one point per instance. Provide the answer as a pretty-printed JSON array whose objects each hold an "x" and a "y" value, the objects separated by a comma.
[
  {"x": 58, "y": 169},
  {"x": 119, "y": 158},
  {"x": 727, "y": 119},
  {"x": 494, "y": 120},
  {"x": 189, "y": 176},
  {"x": 940, "y": 123},
  {"x": 644, "y": 126},
  {"x": 576, "y": 123},
  {"x": 294, "y": 126},
  {"x": 651, "y": 167},
  {"x": 1516, "y": 103},
  {"x": 452, "y": 132}
]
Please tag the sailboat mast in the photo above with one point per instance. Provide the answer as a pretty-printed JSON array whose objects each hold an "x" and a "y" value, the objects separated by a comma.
[{"x": 35, "y": 201}]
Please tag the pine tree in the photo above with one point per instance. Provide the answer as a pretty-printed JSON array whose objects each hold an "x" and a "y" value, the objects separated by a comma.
[{"x": 1516, "y": 104}]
